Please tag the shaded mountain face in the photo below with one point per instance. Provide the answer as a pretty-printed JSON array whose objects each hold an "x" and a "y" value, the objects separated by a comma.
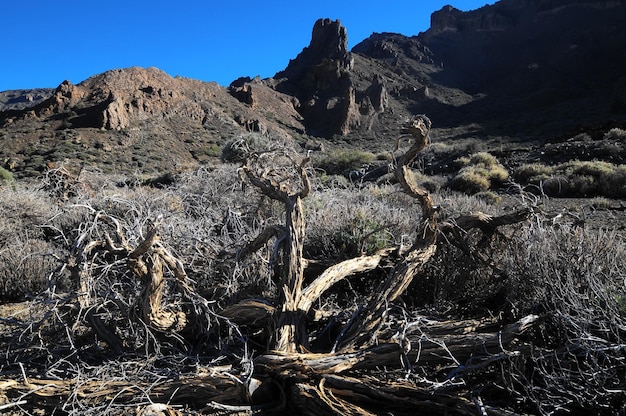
[
  {"x": 527, "y": 70},
  {"x": 540, "y": 62}
]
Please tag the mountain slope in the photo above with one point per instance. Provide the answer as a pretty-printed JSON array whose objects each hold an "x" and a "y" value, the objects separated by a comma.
[{"x": 530, "y": 71}]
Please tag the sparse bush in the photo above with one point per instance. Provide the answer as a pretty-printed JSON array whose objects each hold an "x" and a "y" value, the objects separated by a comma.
[
  {"x": 348, "y": 222},
  {"x": 614, "y": 184},
  {"x": 25, "y": 265},
  {"x": 430, "y": 183},
  {"x": 489, "y": 197},
  {"x": 239, "y": 149},
  {"x": 600, "y": 202},
  {"x": 533, "y": 173},
  {"x": 576, "y": 178},
  {"x": 439, "y": 148},
  {"x": 341, "y": 162},
  {"x": 334, "y": 181},
  {"x": 479, "y": 172},
  {"x": 615, "y": 134},
  {"x": 5, "y": 175}
]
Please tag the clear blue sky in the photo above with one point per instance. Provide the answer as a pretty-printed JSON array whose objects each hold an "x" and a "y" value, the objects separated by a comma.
[{"x": 45, "y": 42}]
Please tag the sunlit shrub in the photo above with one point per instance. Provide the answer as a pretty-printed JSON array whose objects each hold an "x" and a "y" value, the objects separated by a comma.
[
  {"x": 532, "y": 173},
  {"x": 479, "y": 172}
]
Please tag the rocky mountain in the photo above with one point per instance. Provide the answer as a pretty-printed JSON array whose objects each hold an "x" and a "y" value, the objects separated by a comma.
[
  {"x": 529, "y": 71},
  {"x": 20, "y": 99}
]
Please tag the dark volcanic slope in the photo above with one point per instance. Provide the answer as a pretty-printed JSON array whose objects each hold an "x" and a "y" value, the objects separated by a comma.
[
  {"x": 528, "y": 70},
  {"x": 533, "y": 66}
]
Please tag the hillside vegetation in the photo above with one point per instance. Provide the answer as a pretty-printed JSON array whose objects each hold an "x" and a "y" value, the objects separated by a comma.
[{"x": 258, "y": 288}]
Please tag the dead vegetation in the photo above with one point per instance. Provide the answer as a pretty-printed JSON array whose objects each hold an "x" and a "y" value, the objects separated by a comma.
[{"x": 140, "y": 329}]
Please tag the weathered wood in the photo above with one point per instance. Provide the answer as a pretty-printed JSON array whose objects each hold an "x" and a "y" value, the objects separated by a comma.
[
  {"x": 418, "y": 346},
  {"x": 212, "y": 385},
  {"x": 261, "y": 240},
  {"x": 250, "y": 312},
  {"x": 291, "y": 332},
  {"x": 363, "y": 331},
  {"x": 338, "y": 272},
  {"x": 153, "y": 310},
  {"x": 395, "y": 397}
]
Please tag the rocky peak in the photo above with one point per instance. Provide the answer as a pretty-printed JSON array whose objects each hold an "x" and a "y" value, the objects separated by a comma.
[
  {"x": 445, "y": 19},
  {"x": 329, "y": 39},
  {"x": 319, "y": 78},
  {"x": 320, "y": 64},
  {"x": 65, "y": 96}
]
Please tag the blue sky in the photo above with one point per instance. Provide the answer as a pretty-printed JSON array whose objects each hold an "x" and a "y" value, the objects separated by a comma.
[{"x": 45, "y": 42}]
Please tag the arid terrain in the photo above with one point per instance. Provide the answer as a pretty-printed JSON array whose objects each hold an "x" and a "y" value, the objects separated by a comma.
[{"x": 431, "y": 224}]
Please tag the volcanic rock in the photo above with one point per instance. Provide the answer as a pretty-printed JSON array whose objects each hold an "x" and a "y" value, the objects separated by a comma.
[{"x": 523, "y": 70}]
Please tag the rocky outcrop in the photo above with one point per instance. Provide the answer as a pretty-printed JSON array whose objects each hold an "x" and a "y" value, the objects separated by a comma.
[
  {"x": 506, "y": 14},
  {"x": 21, "y": 99},
  {"x": 319, "y": 77},
  {"x": 329, "y": 96},
  {"x": 114, "y": 115}
]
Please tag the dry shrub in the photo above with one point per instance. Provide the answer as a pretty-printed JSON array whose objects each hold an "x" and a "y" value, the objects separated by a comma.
[
  {"x": 29, "y": 250},
  {"x": 342, "y": 162},
  {"x": 343, "y": 223},
  {"x": 25, "y": 266},
  {"x": 454, "y": 280},
  {"x": 572, "y": 277},
  {"x": 24, "y": 206},
  {"x": 238, "y": 149},
  {"x": 576, "y": 178},
  {"x": 533, "y": 173},
  {"x": 615, "y": 134},
  {"x": 479, "y": 172},
  {"x": 575, "y": 278}
]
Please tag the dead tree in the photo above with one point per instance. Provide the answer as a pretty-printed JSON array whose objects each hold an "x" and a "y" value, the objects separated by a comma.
[
  {"x": 296, "y": 300},
  {"x": 290, "y": 324},
  {"x": 325, "y": 381}
]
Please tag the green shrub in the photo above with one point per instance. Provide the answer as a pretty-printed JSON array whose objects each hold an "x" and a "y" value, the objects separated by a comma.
[
  {"x": 5, "y": 175},
  {"x": 471, "y": 181},
  {"x": 597, "y": 169},
  {"x": 430, "y": 183},
  {"x": 497, "y": 174},
  {"x": 343, "y": 161},
  {"x": 533, "y": 173},
  {"x": 484, "y": 159},
  {"x": 479, "y": 172}
]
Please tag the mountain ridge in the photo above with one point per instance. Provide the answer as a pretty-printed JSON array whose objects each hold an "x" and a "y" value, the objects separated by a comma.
[{"x": 526, "y": 71}]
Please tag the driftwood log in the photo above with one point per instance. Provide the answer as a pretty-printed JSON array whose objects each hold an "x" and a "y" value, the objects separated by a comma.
[{"x": 287, "y": 376}]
